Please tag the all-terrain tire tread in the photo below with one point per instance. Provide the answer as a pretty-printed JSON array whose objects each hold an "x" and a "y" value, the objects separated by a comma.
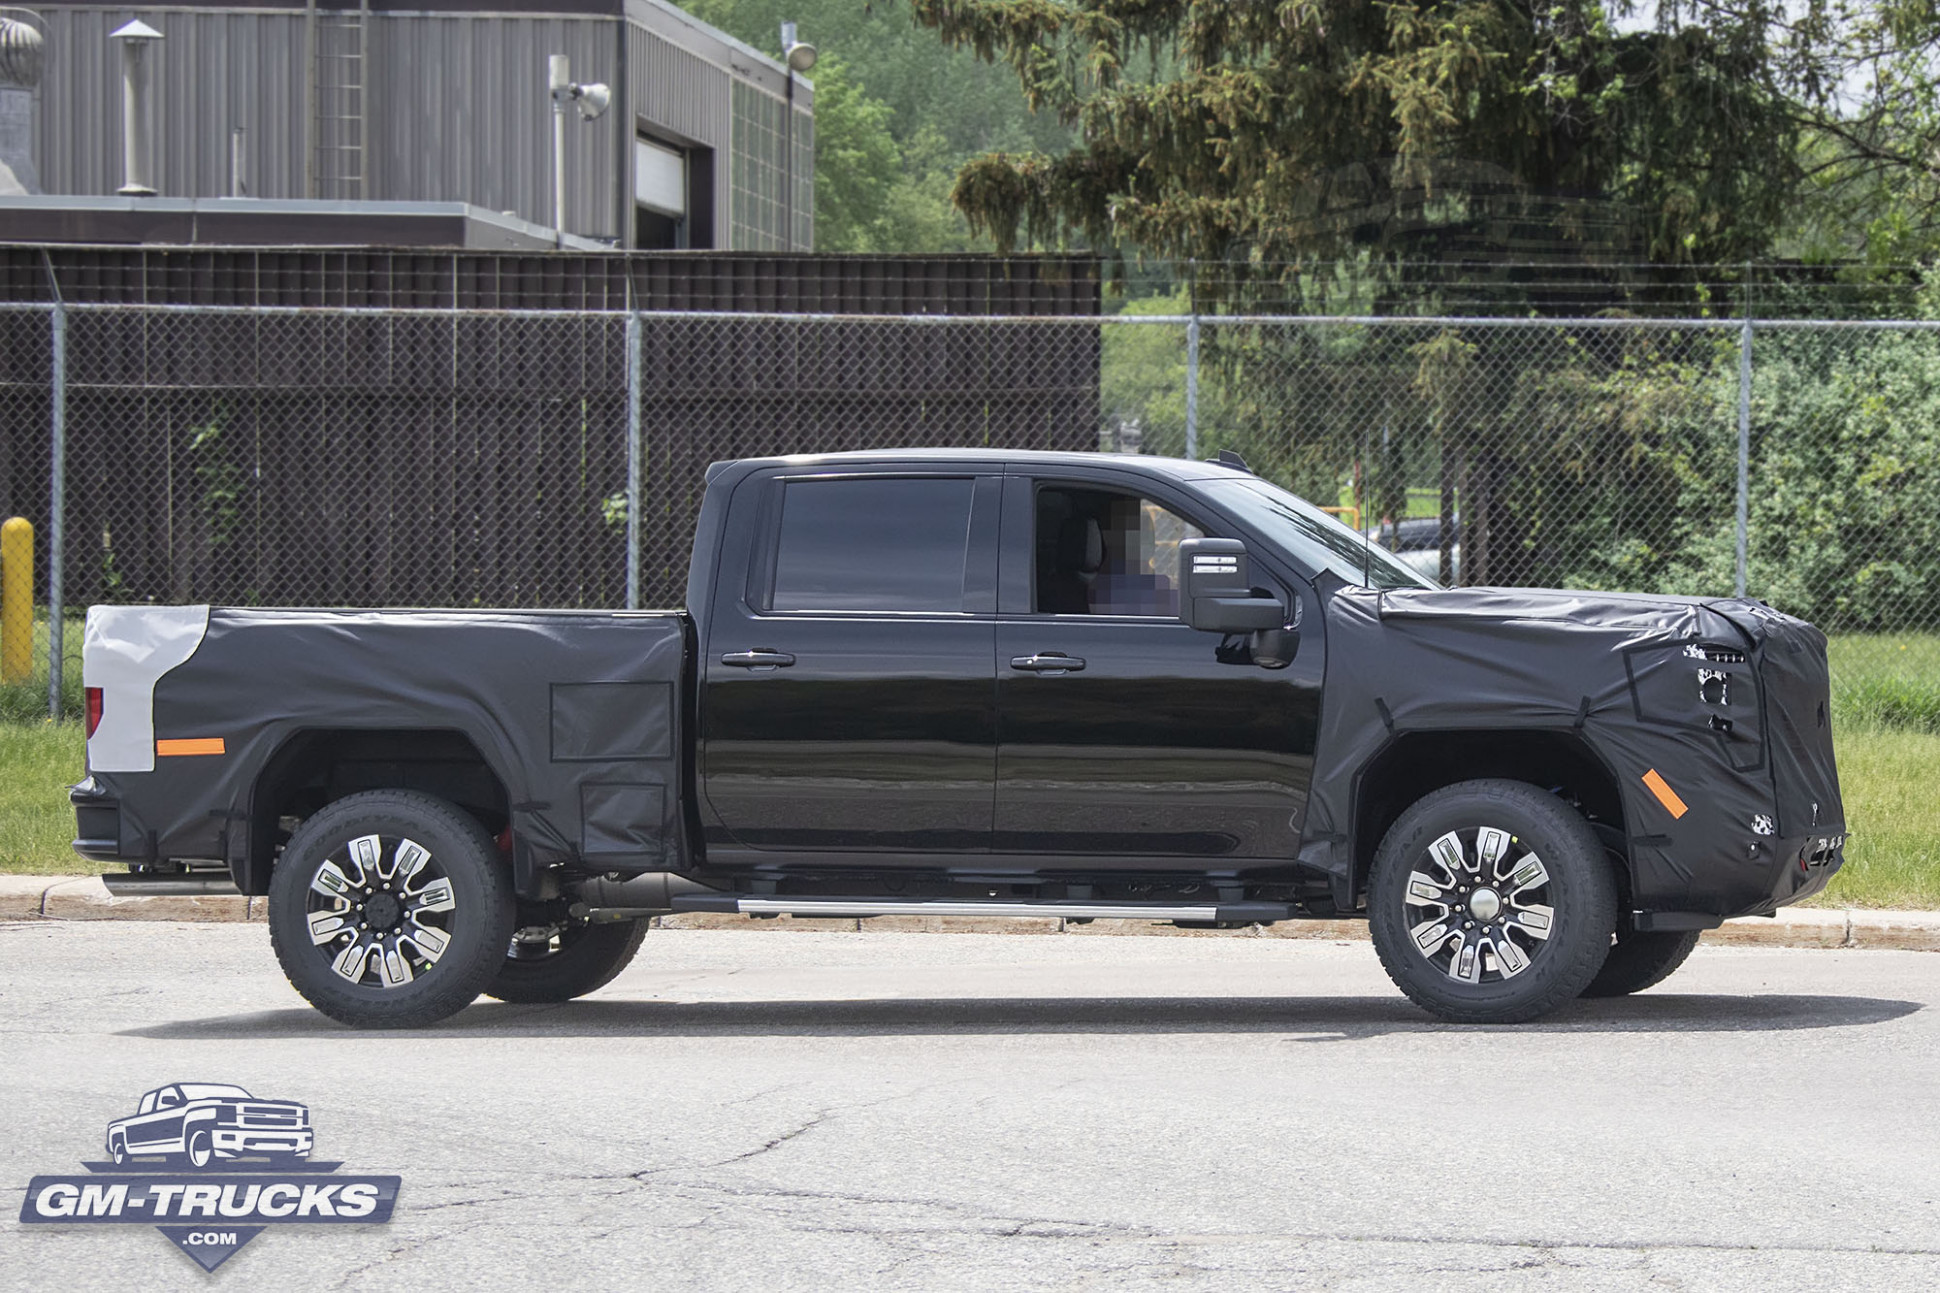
[
  {"x": 1597, "y": 905},
  {"x": 460, "y": 987},
  {"x": 1638, "y": 961},
  {"x": 566, "y": 975}
]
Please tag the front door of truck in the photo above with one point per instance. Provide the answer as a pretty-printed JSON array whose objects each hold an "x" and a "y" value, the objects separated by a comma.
[
  {"x": 848, "y": 683},
  {"x": 1123, "y": 734}
]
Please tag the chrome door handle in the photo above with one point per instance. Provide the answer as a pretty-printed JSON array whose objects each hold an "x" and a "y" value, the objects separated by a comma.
[
  {"x": 1047, "y": 662},
  {"x": 759, "y": 658}
]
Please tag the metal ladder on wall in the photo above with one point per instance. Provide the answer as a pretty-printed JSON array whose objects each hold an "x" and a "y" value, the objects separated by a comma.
[{"x": 340, "y": 168}]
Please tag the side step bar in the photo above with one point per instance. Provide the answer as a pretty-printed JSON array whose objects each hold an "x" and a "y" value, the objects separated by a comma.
[
  {"x": 1241, "y": 912},
  {"x": 146, "y": 884}
]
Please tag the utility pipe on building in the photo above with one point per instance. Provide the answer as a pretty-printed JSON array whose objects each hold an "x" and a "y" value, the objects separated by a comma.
[{"x": 137, "y": 108}]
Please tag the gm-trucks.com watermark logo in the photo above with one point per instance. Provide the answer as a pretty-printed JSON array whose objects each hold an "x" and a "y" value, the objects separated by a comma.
[{"x": 210, "y": 1166}]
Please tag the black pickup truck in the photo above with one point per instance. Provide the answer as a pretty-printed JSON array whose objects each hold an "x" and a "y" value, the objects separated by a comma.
[{"x": 976, "y": 683}]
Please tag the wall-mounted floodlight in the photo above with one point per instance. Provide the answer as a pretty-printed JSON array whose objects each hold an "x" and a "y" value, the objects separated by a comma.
[{"x": 592, "y": 99}]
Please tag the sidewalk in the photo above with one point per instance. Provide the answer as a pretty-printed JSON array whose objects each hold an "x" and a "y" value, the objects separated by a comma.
[{"x": 46, "y": 897}]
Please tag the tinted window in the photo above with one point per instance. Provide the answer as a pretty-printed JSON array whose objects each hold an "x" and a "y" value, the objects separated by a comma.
[
  {"x": 1100, "y": 553},
  {"x": 872, "y": 545}
]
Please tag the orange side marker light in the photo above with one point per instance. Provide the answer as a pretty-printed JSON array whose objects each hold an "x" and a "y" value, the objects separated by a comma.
[
  {"x": 1665, "y": 795},
  {"x": 191, "y": 745}
]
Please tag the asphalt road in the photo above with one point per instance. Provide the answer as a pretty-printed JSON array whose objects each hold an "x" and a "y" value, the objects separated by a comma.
[{"x": 775, "y": 1110}]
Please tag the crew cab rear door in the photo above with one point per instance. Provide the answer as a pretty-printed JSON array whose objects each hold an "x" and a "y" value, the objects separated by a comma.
[
  {"x": 1125, "y": 735},
  {"x": 847, "y": 699}
]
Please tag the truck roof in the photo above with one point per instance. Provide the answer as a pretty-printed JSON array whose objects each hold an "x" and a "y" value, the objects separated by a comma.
[{"x": 1175, "y": 468}]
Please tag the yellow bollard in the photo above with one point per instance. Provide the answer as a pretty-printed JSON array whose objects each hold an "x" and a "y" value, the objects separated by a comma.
[{"x": 17, "y": 599}]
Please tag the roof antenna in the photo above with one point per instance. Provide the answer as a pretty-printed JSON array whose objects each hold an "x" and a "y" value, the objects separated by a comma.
[{"x": 1227, "y": 458}]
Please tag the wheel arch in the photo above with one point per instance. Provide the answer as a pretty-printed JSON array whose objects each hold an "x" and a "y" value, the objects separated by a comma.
[
  {"x": 314, "y": 767},
  {"x": 1414, "y": 764}
]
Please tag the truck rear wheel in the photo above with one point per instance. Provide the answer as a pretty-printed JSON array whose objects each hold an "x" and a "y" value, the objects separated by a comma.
[
  {"x": 390, "y": 909},
  {"x": 1491, "y": 902},
  {"x": 1638, "y": 961},
  {"x": 567, "y": 962}
]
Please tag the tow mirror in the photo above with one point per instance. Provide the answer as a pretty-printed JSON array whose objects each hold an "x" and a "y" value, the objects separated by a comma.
[{"x": 1218, "y": 594}]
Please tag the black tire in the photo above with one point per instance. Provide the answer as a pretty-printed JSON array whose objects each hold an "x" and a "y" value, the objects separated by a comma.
[
  {"x": 1578, "y": 893},
  {"x": 118, "y": 1148},
  {"x": 1637, "y": 961},
  {"x": 201, "y": 1150},
  {"x": 474, "y": 928},
  {"x": 588, "y": 958}
]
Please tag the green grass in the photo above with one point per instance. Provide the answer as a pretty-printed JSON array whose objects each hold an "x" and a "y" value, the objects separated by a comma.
[
  {"x": 26, "y": 701},
  {"x": 1886, "y": 726},
  {"x": 1893, "y": 814},
  {"x": 38, "y": 762},
  {"x": 1422, "y": 501}
]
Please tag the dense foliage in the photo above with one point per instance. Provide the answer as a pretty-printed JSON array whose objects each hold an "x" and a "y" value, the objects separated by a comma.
[
  {"x": 1270, "y": 132},
  {"x": 896, "y": 113}
]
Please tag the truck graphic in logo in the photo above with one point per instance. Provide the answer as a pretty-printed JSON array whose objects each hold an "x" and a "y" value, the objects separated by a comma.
[
  {"x": 203, "y": 1123},
  {"x": 211, "y": 1167}
]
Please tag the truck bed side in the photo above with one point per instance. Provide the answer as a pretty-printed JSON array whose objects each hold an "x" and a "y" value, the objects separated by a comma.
[{"x": 577, "y": 718}]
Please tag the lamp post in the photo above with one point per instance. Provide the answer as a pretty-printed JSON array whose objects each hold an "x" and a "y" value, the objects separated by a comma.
[
  {"x": 796, "y": 57},
  {"x": 592, "y": 99}
]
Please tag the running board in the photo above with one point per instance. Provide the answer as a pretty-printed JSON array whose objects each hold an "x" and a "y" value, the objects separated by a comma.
[
  {"x": 779, "y": 905},
  {"x": 151, "y": 884}
]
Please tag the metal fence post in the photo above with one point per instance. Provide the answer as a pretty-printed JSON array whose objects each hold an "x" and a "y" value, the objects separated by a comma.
[
  {"x": 1192, "y": 384},
  {"x": 633, "y": 460},
  {"x": 56, "y": 504},
  {"x": 1744, "y": 449}
]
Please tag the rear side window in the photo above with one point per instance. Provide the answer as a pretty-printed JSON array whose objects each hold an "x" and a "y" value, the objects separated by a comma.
[{"x": 872, "y": 545}]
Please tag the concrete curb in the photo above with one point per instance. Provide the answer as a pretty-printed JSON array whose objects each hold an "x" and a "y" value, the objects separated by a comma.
[
  {"x": 49, "y": 897},
  {"x": 84, "y": 897}
]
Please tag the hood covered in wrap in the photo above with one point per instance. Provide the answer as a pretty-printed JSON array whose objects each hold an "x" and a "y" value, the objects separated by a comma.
[{"x": 1721, "y": 702}]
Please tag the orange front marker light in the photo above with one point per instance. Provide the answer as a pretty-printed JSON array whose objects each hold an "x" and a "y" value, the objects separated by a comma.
[
  {"x": 1665, "y": 795},
  {"x": 192, "y": 745}
]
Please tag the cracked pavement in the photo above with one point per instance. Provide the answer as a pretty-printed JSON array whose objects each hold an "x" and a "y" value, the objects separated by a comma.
[{"x": 767, "y": 1111}]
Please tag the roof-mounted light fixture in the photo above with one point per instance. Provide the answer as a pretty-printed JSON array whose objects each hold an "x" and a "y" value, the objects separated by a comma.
[{"x": 592, "y": 99}]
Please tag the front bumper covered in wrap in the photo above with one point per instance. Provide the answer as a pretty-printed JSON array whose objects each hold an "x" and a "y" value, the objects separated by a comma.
[{"x": 1712, "y": 716}]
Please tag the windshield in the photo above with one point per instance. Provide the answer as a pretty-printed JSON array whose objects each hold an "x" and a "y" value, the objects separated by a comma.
[
  {"x": 211, "y": 1091},
  {"x": 1312, "y": 537}
]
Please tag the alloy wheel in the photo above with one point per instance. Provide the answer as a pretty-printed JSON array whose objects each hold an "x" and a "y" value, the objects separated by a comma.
[
  {"x": 381, "y": 911},
  {"x": 1478, "y": 905}
]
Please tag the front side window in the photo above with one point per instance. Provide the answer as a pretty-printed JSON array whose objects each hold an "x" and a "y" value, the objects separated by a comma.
[
  {"x": 1102, "y": 553},
  {"x": 872, "y": 545}
]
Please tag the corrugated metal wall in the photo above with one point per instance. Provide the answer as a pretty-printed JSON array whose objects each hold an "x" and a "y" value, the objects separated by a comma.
[
  {"x": 213, "y": 70},
  {"x": 687, "y": 96},
  {"x": 456, "y": 103},
  {"x": 461, "y": 114}
]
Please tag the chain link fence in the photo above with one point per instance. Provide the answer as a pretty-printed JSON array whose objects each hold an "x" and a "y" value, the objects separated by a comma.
[{"x": 362, "y": 457}]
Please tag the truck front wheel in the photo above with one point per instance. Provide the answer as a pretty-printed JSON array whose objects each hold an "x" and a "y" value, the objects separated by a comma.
[
  {"x": 1491, "y": 902},
  {"x": 390, "y": 909},
  {"x": 547, "y": 963}
]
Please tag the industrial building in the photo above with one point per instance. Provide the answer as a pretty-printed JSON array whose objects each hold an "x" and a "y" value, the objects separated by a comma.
[{"x": 316, "y": 109}]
